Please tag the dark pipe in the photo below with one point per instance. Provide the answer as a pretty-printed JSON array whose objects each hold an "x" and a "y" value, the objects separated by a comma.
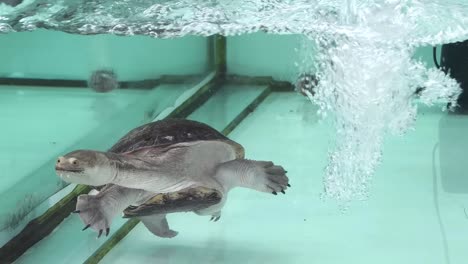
[{"x": 454, "y": 62}]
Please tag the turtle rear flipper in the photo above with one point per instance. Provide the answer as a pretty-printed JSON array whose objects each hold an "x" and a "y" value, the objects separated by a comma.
[
  {"x": 158, "y": 225},
  {"x": 186, "y": 200},
  {"x": 263, "y": 176}
]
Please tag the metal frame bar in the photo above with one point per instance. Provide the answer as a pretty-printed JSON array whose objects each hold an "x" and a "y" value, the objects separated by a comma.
[{"x": 147, "y": 84}]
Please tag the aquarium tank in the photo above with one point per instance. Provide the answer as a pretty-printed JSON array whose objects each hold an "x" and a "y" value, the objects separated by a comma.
[{"x": 249, "y": 131}]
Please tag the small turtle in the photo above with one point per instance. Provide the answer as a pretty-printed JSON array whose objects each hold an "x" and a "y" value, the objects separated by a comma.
[{"x": 167, "y": 166}]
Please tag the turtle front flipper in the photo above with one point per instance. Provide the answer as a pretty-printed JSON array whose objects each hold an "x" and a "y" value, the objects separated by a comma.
[
  {"x": 94, "y": 214},
  {"x": 186, "y": 200},
  {"x": 98, "y": 208}
]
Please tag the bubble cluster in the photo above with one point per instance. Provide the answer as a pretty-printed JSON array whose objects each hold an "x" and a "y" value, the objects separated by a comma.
[
  {"x": 369, "y": 84},
  {"x": 103, "y": 81}
]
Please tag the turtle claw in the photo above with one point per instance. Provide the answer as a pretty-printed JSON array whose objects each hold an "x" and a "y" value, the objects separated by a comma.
[
  {"x": 215, "y": 217},
  {"x": 76, "y": 211},
  {"x": 86, "y": 227},
  {"x": 102, "y": 230},
  {"x": 283, "y": 191}
]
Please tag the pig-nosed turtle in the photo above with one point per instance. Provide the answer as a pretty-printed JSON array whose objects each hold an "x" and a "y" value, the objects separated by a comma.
[{"x": 167, "y": 166}]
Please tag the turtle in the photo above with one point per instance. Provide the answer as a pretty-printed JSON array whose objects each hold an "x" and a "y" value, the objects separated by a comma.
[{"x": 166, "y": 166}]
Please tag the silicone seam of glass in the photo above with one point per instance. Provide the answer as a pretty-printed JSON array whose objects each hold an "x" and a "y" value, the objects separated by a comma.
[
  {"x": 105, "y": 248},
  {"x": 55, "y": 215}
]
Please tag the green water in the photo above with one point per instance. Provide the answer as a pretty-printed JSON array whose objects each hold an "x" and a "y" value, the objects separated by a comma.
[{"x": 415, "y": 213}]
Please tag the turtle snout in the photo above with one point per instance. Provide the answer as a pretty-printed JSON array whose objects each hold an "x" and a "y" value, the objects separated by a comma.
[
  {"x": 60, "y": 163},
  {"x": 67, "y": 164}
]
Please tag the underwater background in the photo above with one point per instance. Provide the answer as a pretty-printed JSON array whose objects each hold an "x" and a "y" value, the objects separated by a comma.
[{"x": 376, "y": 168}]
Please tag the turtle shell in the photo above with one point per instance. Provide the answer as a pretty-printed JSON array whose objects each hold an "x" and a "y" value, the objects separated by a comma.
[{"x": 165, "y": 132}]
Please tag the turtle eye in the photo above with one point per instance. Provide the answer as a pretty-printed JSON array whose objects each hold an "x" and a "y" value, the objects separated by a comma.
[{"x": 73, "y": 161}]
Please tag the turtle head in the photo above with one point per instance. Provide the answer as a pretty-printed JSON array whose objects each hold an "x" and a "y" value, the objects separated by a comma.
[{"x": 85, "y": 167}]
